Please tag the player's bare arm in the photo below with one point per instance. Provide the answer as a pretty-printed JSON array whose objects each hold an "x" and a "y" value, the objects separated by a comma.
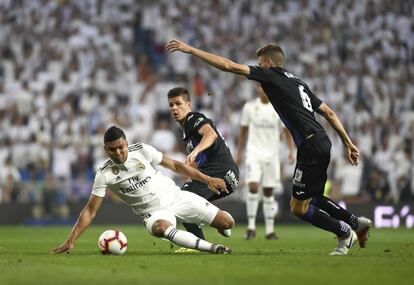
[
  {"x": 209, "y": 136},
  {"x": 85, "y": 219},
  {"x": 217, "y": 61},
  {"x": 216, "y": 185},
  {"x": 244, "y": 131},
  {"x": 332, "y": 118}
]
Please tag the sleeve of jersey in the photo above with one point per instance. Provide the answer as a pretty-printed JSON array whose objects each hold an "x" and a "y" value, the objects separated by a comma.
[
  {"x": 259, "y": 74},
  {"x": 245, "y": 116},
  {"x": 196, "y": 122},
  {"x": 152, "y": 154},
  {"x": 99, "y": 185},
  {"x": 315, "y": 101}
]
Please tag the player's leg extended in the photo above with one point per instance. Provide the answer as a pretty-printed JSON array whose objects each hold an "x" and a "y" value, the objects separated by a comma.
[
  {"x": 252, "y": 203},
  {"x": 336, "y": 211},
  {"x": 270, "y": 182},
  {"x": 309, "y": 181},
  {"x": 312, "y": 214},
  {"x": 164, "y": 228},
  {"x": 191, "y": 208},
  {"x": 268, "y": 211},
  {"x": 253, "y": 176},
  {"x": 360, "y": 225}
]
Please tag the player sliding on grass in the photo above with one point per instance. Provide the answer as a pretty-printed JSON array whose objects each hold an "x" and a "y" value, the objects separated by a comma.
[
  {"x": 131, "y": 174},
  {"x": 295, "y": 103}
]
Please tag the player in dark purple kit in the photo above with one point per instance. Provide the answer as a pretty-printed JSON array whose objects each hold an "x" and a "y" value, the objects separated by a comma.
[
  {"x": 296, "y": 104},
  {"x": 207, "y": 151}
]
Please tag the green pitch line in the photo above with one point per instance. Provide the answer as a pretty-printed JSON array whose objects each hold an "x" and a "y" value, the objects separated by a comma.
[{"x": 300, "y": 256}]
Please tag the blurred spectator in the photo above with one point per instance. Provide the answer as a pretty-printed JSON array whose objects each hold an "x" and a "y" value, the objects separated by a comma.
[
  {"x": 378, "y": 187},
  {"x": 163, "y": 137},
  {"x": 52, "y": 201},
  {"x": 347, "y": 185},
  {"x": 9, "y": 182},
  {"x": 81, "y": 187}
]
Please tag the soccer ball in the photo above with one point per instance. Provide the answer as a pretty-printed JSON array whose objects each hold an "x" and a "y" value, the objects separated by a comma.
[{"x": 112, "y": 242}]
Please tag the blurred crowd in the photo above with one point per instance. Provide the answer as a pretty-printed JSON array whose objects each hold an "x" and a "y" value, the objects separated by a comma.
[{"x": 70, "y": 69}]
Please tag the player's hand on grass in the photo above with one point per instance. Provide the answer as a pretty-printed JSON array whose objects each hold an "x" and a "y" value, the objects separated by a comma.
[
  {"x": 217, "y": 185},
  {"x": 352, "y": 154},
  {"x": 64, "y": 247},
  {"x": 175, "y": 45}
]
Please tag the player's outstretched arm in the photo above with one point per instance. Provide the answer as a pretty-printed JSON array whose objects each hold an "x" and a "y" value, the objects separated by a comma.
[
  {"x": 216, "y": 185},
  {"x": 85, "y": 219},
  {"x": 217, "y": 61},
  {"x": 332, "y": 118}
]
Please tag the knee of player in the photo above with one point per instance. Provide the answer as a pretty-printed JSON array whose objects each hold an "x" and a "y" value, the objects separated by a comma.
[
  {"x": 158, "y": 229},
  {"x": 253, "y": 187},
  {"x": 228, "y": 221},
  {"x": 223, "y": 220}
]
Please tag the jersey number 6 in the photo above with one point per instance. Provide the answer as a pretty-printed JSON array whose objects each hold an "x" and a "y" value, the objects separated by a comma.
[{"x": 305, "y": 98}]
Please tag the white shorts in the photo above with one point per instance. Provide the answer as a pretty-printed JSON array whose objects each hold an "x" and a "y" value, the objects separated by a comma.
[
  {"x": 265, "y": 173},
  {"x": 185, "y": 207}
]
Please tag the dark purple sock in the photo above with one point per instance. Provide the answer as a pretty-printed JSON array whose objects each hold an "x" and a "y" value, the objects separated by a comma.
[
  {"x": 336, "y": 211},
  {"x": 322, "y": 220}
]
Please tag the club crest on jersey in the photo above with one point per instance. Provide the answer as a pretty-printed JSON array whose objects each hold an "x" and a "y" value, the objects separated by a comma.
[
  {"x": 140, "y": 166},
  {"x": 115, "y": 169},
  {"x": 298, "y": 175}
]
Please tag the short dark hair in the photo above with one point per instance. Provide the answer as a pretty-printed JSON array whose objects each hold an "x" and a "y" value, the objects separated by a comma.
[
  {"x": 113, "y": 133},
  {"x": 272, "y": 51},
  {"x": 179, "y": 91}
]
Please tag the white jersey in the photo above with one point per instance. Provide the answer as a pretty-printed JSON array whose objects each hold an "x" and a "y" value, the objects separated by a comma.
[
  {"x": 264, "y": 130},
  {"x": 137, "y": 181}
]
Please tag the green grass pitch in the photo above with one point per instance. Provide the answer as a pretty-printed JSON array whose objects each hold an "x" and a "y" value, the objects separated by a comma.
[{"x": 300, "y": 256}]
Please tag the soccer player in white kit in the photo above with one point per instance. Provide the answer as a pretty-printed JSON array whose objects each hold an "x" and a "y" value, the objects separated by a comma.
[
  {"x": 131, "y": 174},
  {"x": 261, "y": 126}
]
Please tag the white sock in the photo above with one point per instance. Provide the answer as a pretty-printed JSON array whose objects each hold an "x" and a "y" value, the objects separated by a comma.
[
  {"x": 252, "y": 203},
  {"x": 268, "y": 212},
  {"x": 186, "y": 239}
]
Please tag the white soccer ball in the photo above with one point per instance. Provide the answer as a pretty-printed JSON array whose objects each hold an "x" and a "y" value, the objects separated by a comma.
[{"x": 112, "y": 242}]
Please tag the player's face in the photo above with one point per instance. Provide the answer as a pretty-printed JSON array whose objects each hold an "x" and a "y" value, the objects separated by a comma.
[
  {"x": 117, "y": 150},
  {"x": 265, "y": 62},
  {"x": 179, "y": 107}
]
